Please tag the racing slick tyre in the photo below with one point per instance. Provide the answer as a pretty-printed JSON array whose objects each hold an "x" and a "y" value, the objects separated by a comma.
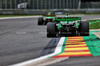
[
  {"x": 51, "y": 29},
  {"x": 40, "y": 21},
  {"x": 84, "y": 28}
]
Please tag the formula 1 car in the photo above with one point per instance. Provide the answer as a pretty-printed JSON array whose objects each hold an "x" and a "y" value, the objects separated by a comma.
[
  {"x": 46, "y": 18},
  {"x": 67, "y": 26}
]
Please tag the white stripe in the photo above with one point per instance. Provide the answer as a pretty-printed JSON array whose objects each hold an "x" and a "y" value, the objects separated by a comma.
[
  {"x": 90, "y": 19},
  {"x": 19, "y": 17},
  {"x": 57, "y": 51}
]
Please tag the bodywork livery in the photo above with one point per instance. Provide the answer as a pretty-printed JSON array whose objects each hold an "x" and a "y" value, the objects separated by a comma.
[
  {"x": 67, "y": 26},
  {"x": 46, "y": 18}
]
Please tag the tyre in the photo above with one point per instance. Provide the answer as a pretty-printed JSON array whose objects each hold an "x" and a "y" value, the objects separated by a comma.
[
  {"x": 40, "y": 21},
  {"x": 84, "y": 28},
  {"x": 51, "y": 30}
]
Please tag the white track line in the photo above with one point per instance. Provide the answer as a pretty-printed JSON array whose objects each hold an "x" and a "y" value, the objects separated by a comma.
[
  {"x": 57, "y": 51},
  {"x": 19, "y": 17},
  {"x": 90, "y": 19}
]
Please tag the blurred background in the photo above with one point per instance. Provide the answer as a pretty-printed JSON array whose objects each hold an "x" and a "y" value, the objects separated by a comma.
[{"x": 36, "y": 6}]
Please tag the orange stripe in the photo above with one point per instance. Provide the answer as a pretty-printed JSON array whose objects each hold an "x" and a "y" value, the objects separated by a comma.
[
  {"x": 74, "y": 44},
  {"x": 77, "y": 50},
  {"x": 76, "y": 47}
]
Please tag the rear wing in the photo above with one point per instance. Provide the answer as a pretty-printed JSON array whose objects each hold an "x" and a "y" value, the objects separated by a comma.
[
  {"x": 49, "y": 15},
  {"x": 67, "y": 18}
]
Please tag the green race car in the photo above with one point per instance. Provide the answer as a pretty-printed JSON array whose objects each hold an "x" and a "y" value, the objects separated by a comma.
[
  {"x": 46, "y": 18},
  {"x": 67, "y": 26}
]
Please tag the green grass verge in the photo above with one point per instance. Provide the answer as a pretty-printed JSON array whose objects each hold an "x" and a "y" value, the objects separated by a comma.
[
  {"x": 93, "y": 20},
  {"x": 94, "y": 24},
  {"x": 17, "y": 15}
]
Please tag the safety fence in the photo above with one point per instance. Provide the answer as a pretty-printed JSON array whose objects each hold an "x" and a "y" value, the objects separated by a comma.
[{"x": 49, "y": 4}]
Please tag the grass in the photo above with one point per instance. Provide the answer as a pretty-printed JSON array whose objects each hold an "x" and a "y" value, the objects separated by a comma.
[
  {"x": 16, "y": 15},
  {"x": 93, "y": 20},
  {"x": 95, "y": 24}
]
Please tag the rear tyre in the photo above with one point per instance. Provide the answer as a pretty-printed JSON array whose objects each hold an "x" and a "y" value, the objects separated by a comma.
[
  {"x": 51, "y": 30},
  {"x": 40, "y": 21},
  {"x": 84, "y": 28}
]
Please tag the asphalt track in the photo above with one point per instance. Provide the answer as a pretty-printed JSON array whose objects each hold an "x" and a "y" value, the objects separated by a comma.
[{"x": 21, "y": 39}]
